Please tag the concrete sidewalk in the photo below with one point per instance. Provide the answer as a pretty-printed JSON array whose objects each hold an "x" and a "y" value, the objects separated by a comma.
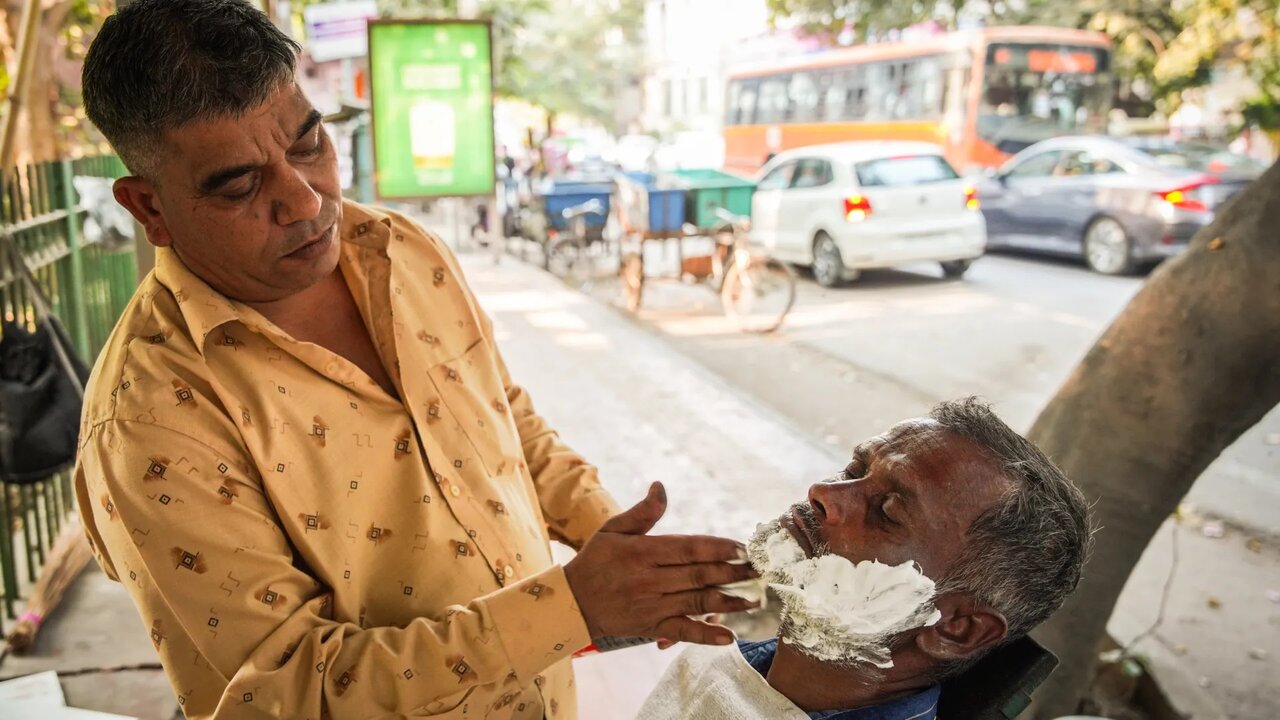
[{"x": 617, "y": 393}]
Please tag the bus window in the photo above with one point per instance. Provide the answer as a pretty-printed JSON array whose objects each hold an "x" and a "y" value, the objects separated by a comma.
[
  {"x": 742, "y": 103},
  {"x": 732, "y": 97},
  {"x": 772, "y": 105},
  {"x": 1035, "y": 91},
  {"x": 803, "y": 94},
  {"x": 859, "y": 93},
  {"x": 906, "y": 96},
  {"x": 846, "y": 97},
  {"x": 881, "y": 92},
  {"x": 930, "y": 78},
  {"x": 837, "y": 97}
]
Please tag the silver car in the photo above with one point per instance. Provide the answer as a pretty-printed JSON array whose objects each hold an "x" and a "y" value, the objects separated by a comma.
[{"x": 1120, "y": 203}]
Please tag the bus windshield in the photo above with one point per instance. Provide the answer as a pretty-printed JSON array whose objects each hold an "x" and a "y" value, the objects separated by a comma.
[{"x": 1036, "y": 91}]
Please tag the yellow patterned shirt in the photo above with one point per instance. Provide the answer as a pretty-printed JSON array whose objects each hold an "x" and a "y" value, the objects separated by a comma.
[{"x": 303, "y": 545}]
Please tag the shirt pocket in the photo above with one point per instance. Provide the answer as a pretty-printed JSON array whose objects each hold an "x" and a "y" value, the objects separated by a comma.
[{"x": 471, "y": 389}]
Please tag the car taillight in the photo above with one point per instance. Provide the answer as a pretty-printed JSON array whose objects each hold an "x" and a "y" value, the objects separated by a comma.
[
  {"x": 971, "y": 198},
  {"x": 856, "y": 208},
  {"x": 1186, "y": 197}
]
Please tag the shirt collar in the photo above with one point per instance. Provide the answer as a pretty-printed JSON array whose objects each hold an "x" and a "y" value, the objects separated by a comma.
[
  {"x": 921, "y": 706},
  {"x": 205, "y": 309}
]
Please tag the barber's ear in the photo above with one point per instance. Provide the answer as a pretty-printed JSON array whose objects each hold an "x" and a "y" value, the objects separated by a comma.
[
  {"x": 967, "y": 626},
  {"x": 138, "y": 196}
]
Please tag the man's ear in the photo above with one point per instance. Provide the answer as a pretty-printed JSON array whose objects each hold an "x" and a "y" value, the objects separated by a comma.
[
  {"x": 967, "y": 627},
  {"x": 138, "y": 196}
]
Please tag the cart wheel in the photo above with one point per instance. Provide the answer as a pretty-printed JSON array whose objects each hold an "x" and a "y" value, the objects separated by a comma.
[
  {"x": 758, "y": 293},
  {"x": 573, "y": 263},
  {"x": 631, "y": 271}
]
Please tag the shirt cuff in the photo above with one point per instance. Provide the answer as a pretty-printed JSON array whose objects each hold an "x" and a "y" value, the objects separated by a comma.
[{"x": 539, "y": 622}]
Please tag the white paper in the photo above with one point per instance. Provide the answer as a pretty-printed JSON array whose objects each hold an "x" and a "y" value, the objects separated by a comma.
[
  {"x": 28, "y": 711},
  {"x": 39, "y": 690},
  {"x": 39, "y": 697}
]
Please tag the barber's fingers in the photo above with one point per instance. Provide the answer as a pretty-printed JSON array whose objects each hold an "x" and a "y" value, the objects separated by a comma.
[
  {"x": 641, "y": 517},
  {"x": 690, "y": 549},
  {"x": 705, "y": 602},
  {"x": 677, "y": 578},
  {"x": 684, "y": 629}
]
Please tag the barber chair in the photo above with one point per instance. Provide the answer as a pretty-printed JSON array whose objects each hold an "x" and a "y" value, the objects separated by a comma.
[{"x": 999, "y": 686}]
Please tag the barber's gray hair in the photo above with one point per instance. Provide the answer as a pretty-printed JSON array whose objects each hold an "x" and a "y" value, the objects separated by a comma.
[
  {"x": 1024, "y": 555},
  {"x": 159, "y": 64}
]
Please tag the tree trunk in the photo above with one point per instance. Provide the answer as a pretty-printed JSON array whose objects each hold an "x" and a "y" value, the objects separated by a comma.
[
  {"x": 41, "y": 135},
  {"x": 1190, "y": 364}
]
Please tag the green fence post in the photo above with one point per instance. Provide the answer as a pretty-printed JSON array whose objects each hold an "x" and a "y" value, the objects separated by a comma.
[{"x": 76, "y": 305}]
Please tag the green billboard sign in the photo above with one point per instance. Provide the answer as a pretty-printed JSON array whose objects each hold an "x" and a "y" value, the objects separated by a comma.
[{"x": 431, "y": 89}]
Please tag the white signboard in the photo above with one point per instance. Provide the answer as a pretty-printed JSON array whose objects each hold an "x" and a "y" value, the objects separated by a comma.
[{"x": 337, "y": 31}]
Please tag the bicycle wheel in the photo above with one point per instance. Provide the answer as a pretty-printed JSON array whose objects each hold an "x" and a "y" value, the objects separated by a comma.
[
  {"x": 758, "y": 293},
  {"x": 569, "y": 261},
  {"x": 631, "y": 271}
]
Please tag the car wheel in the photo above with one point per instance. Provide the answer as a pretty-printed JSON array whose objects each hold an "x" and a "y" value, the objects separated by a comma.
[
  {"x": 828, "y": 266},
  {"x": 1107, "y": 247},
  {"x": 955, "y": 269}
]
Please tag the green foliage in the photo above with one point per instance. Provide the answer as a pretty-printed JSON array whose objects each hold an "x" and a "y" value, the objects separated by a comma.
[
  {"x": 827, "y": 18},
  {"x": 1265, "y": 113},
  {"x": 554, "y": 54}
]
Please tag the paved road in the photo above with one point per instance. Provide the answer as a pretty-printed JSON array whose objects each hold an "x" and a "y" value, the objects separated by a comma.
[{"x": 852, "y": 360}]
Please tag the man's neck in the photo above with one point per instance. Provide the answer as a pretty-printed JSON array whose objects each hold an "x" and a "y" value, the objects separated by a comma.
[
  {"x": 814, "y": 685},
  {"x": 302, "y": 309}
]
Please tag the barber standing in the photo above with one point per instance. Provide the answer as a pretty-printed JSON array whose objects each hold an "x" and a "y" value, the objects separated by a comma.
[{"x": 301, "y": 451}]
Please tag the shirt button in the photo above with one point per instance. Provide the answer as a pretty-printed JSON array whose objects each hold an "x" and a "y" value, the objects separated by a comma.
[
  {"x": 454, "y": 490},
  {"x": 509, "y": 571}
]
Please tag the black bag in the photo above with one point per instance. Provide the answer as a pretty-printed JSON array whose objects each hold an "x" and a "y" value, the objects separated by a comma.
[{"x": 41, "y": 386}]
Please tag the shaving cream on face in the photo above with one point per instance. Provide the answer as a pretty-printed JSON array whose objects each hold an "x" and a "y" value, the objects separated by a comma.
[{"x": 836, "y": 610}]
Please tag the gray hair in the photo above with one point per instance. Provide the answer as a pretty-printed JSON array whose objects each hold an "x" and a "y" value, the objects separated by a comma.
[
  {"x": 158, "y": 64},
  {"x": 1024, "y": 555}
]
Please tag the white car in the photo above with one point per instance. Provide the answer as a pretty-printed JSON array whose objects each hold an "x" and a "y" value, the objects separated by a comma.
[{"x": 846, "y": 207}]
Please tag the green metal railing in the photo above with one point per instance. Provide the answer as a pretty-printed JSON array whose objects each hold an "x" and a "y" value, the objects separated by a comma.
[{"x": 89, "y": 287}]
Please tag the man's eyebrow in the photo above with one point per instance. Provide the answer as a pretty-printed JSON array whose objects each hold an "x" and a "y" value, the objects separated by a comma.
[{"x": 313, "y": 119}]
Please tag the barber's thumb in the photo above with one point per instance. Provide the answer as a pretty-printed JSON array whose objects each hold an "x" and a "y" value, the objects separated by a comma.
[{"x": 641, "y": 517}]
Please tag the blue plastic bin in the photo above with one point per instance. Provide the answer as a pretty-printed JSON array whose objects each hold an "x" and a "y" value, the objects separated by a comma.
[
  {"x": 666, "y": 204},
  {"x": 563, "y": 196}
]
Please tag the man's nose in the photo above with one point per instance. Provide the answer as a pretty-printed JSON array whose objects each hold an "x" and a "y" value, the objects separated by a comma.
[
  {"x": 295, "y": 200},
  {"x": 834, "y": 501}
]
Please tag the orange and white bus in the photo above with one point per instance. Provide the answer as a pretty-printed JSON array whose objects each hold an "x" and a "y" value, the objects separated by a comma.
[{"x": 980, "y": 94}]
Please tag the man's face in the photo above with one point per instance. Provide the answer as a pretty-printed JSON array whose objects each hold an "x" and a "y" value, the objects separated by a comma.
[
  {"x": 908, "y": 495},
  {"x": 250, "y": 204}
]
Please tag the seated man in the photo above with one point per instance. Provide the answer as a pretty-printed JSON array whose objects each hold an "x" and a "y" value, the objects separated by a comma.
[{"x": 944, "y": 538}]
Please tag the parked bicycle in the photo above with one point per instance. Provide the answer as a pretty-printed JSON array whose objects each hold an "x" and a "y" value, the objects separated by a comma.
[
  {"x": 755, "y": 289},
  {"x": 581, "y": 253}
]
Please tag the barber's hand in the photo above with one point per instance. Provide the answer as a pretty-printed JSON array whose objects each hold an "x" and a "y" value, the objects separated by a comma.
[{"x": 629, "y": 584}]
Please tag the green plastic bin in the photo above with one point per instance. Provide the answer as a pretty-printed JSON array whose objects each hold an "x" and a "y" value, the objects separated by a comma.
[{"x": 712, "y": 190}]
